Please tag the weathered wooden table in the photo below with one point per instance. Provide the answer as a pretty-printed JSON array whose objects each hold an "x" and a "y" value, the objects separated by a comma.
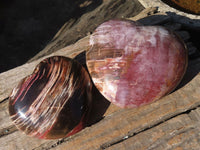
[{"x": 172, "y": 122}]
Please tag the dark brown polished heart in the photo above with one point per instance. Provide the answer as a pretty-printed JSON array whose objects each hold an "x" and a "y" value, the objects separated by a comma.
[{"x": 54, "y": 101}]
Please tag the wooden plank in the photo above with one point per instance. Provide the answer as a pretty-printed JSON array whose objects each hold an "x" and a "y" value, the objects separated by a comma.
[
  {"x": 19, "y": 141},
  {"x": 4, "y": 116},
  {"x": 78, "y": 28},
  {"x": 117, "y": 124},
  {"x": 127, "y": 122},
  {"x": 9, "y": 79},
  {"x": 8, "y": 132},
  {"x": 181, "y": 132}
]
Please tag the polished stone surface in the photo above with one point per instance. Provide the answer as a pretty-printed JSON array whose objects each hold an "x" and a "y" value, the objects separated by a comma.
[
  {"x": 132, "y": 65},
  {"x": 54, "y": 101},
  {"x": 190, "y": 6}
]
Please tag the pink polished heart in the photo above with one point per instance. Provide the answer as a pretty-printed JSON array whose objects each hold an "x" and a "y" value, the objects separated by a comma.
[{"x": 132, "y": 65}]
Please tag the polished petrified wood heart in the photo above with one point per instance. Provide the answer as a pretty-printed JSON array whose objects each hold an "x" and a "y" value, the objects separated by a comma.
[
  {"x": 54, "y": 101},
  {"x": 132, "y": 64}
]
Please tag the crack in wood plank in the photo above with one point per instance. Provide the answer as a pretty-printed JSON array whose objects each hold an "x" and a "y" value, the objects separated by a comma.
[
  {"x": 7, "y": 130},
  {"x": 131, "y": 134},
  {"x": 170, "y": 134}
]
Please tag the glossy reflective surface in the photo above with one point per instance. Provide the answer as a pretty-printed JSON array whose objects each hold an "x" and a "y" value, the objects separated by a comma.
[
  {"x": 133, "y": 65},
  {"x": 189, "y": 6},
  {"x": 54, "y": 101}
]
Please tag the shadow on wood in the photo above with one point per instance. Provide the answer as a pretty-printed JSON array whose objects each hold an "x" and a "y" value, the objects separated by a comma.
[
  {"x": 99, "y": 104},
  {"x": 27, "y": 26}
]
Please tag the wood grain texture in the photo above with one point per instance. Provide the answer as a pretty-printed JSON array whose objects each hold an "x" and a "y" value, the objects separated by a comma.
[
  {"x": 76, "y": 29},
  {"x": 9, "y": 79},
  {"x": 129, "y": 122},
  {"x": 181, "y": 132},
  {"x": 169, "y": 123}
]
